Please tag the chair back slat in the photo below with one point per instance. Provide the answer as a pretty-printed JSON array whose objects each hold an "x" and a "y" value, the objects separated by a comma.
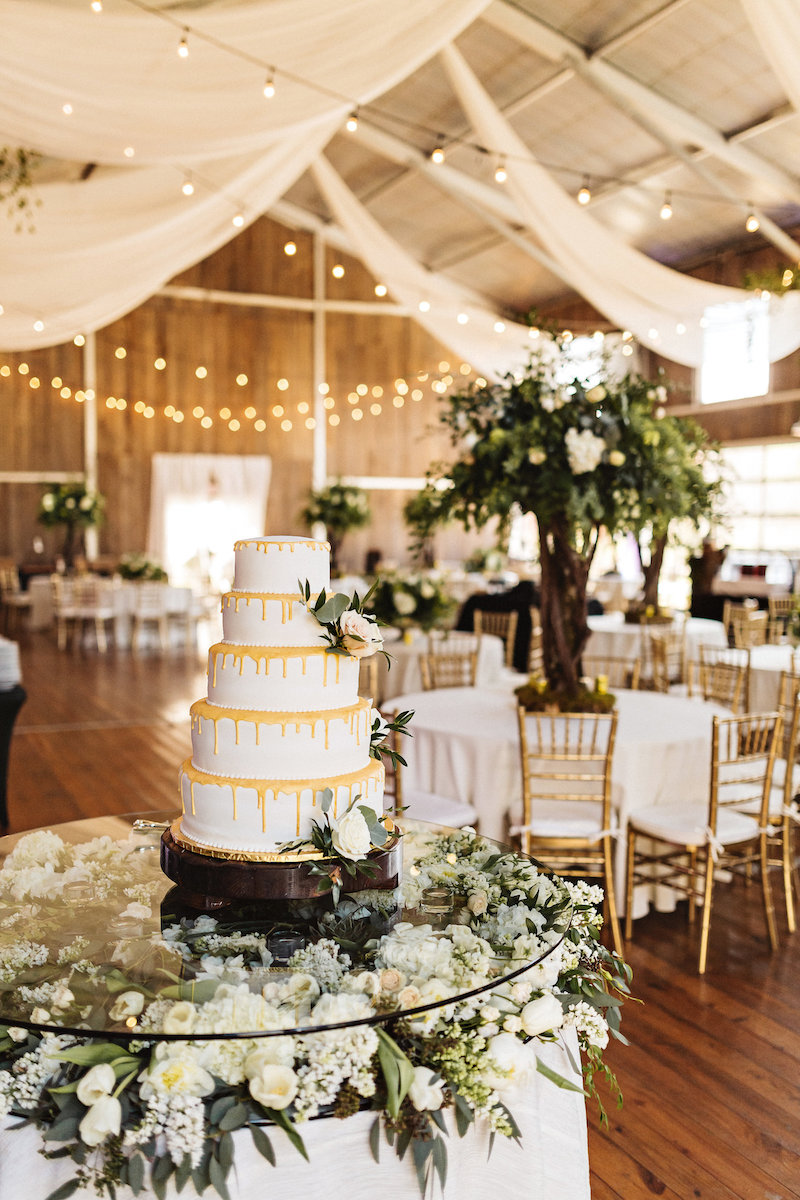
[{"x": 498, "y": 624}]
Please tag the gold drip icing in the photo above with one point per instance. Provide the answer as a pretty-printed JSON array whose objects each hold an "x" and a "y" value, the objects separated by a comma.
[
  {"x": 350, "y": 714},
  {"x": 373, "y": 774},
  {"x": 266, "y": 655},
  {"x": 265, "y": 547},
  {"x": 285, "y": 599}
]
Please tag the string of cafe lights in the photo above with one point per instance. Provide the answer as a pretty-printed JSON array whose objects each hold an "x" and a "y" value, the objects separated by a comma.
[
  {"x": 287, "y": 414},
  {"x": 271, "y": 73}
]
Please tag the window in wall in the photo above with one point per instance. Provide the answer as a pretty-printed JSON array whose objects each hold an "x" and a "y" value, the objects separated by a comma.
[
  {"x": 735, "y": 351},
  {"x": 763, "y": 507}
]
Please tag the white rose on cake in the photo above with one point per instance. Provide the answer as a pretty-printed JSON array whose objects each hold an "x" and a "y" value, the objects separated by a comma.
[
  {"x": 360, "y": 634},
  {"x": 350, "y": 835}
]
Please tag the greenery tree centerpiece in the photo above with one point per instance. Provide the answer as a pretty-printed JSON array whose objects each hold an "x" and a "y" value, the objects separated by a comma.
[
  {"x": 74, "y": 507},
  {"x": 581, "y": 457},
  {"x": 340, "y": 508}
]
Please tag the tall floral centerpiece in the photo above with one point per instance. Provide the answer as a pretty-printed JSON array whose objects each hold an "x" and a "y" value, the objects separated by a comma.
[
  {"x": 74, "y": 507},
  {"x": 580, "y": 457},
  {"x": 340, "y": 508}
]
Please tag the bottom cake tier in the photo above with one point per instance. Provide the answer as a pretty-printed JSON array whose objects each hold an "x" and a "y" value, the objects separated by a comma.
[{"x": 258, "y": 816}]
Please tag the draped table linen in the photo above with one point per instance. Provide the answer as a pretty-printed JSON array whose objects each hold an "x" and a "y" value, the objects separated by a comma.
[{"x": 465, "y": 744}]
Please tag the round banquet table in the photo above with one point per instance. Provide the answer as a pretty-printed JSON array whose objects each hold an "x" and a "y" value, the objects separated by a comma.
[
  {"x": 465, "y": 745},
  {"x": 612, "y": 637},
  {"x": 403, "y": 673},
  {"x": 551, "y": 1160},
  {"x": 766, "y": 665}
]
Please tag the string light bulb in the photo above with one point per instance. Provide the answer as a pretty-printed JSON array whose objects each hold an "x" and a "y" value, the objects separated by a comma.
[
  {"x": 666, "y": 207},
  {"x": 437, "y": 155},
  {"x": 351, "y": 124},
  {"x": 585, "y": 193},
  {"x": 188, "y": 186},
  {"x": 269, "y": 86},
  {"x": 752, "y": 223},
  {"x": 238, "y": 220},
  {"x": 183, "y": 45},
  {"x": 96, "y": 6},
  {"x": 501, "y": 174}
]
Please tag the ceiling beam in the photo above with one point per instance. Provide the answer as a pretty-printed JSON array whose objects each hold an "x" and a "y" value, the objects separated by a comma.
[{"x": 619, "y": 86}]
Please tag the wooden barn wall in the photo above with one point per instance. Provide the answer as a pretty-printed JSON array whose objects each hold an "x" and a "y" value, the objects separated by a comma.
[{"x": 43, "y": 430}]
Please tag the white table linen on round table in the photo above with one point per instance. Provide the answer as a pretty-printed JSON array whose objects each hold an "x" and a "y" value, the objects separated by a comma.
[
  {"x": 766, "y": 665},
  {"x": 553, "y": 1159},
  {"x": 403, "y": 675},
  {"x": 612, "y": 637},
  {"x": 465, "y": 744}
]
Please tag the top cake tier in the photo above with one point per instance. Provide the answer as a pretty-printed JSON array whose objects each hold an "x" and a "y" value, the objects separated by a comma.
[{"x": 276, "y": 564}]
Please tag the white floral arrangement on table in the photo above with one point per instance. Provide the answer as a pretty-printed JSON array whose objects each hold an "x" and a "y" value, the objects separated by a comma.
[
  {"x": 404, "y": 598},
  {"x": 139, "y": 1111}
]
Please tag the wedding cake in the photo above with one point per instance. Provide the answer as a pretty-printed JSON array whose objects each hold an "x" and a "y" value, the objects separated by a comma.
[{"x": 282, "y": 720}]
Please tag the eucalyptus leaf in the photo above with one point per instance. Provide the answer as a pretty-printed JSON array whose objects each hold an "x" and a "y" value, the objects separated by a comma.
[
  {"x": 279, "y": 1117},
  {"x": 234, "y": 1118},
  {"x": 136, "y": 1172},
  {"x": 262, "y": 1144},
  {"x": 216, "y": 1177},
  {"x": 440, "y": 1159},
  {"x": 559, "y": 1080},
  {"x": 65, "y": 1190},
  {"x": 375, "y": 1139},
  {"x": 219, "y": 1108},
  {"x": 326, "y": 799},
  {"x": 398, "y": 1072},
  {"x": 332, "y": 609},
  {"x": 421, "y": 1152}
]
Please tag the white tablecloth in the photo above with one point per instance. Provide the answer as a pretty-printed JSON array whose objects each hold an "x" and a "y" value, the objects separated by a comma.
[
  {"x": 404, "y": 673},
  {"x": 465, "y": 745},
  {"x": 611, "y": 637},
  {"x": 766, "y": 664},
  {"x": 552, "y": 1161}
]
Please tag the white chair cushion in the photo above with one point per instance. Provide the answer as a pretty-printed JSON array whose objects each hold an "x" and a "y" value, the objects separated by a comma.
[
  {"x": 441, "y": 810},
  {"x": 566, "y": 818},
  {"x": 779, "y": 775},
  {"x": 686, "y": 824}
]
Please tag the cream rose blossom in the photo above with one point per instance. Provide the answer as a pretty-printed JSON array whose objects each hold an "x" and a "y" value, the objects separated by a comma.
[
  {"x": 350, "y": 835},
  {"x": 360, "y": 635}
]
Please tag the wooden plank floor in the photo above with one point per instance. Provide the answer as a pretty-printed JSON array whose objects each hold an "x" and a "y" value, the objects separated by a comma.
[{"x": 711, "y": 1079}]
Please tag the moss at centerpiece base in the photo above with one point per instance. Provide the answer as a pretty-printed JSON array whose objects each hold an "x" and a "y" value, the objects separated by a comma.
[
  {"x": 641, "y": 614},
  {"x": 538, "y": 696}
]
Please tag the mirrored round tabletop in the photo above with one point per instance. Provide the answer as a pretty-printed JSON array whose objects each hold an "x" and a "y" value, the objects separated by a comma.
[{"x": 96, "y": 941}]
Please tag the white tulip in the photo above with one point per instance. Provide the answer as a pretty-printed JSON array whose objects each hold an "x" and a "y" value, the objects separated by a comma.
[
  {"x": 425, "y": 1092},
  {"x": 542, "y": 1015},
  {"x": 180, "y": 1018},
  {"x": 275, "y": 1087},
  {"x": 128, "y": 1004},
  {"x": 102, "y": 1120},
  {"x": 97, "y": 1082}
]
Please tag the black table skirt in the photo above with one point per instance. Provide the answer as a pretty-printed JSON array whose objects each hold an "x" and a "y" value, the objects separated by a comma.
[{"x": 11, "y": 701}]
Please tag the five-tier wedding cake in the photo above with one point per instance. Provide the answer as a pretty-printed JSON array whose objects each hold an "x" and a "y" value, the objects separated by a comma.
[{"x": 282, "y": 720}]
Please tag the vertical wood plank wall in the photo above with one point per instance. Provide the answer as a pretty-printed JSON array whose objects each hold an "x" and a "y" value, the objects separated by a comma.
[{"x": 41, "y": 430}]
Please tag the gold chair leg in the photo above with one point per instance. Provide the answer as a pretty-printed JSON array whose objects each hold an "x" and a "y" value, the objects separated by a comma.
[
  {"x": 769, "y": 909},
  {"x": 788, "y": 854},
  {"x": 690, "y": 914},
  {"x": 708, "y": 895},
  {"x": 100, "y": 634},
  {"x": 629, "y": 860},
  {"x": 611, "y": 899}
]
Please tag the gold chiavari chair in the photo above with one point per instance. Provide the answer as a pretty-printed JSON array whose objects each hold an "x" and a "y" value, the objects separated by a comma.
[
  {"x": 668, "y": 661},
  {"x": 684, "y": 845},
  {"x": 724, "y": 676},
  {"x": 748, "y": 627},
  {"x": 782, "y": 610},
  {"x": 450, "y": 663},
  {"x": 499, "y": 624},
  {"x": 566, "y": 794},
  {"x": 618, "y": 672},
  {"x": 15, "y": 603}
]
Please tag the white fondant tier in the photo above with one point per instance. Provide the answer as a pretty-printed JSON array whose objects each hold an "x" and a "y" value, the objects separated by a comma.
[
  {"x": 260, "y": 815},
  {"x": 256, "y": 619},
  {"x": 241, "y": 744},
  {"x": 275, "y": 564},
  {"x": 286, "y": 680}
]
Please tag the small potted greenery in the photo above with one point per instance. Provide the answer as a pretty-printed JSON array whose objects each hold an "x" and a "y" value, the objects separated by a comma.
[{"x": 340, "y": 508}]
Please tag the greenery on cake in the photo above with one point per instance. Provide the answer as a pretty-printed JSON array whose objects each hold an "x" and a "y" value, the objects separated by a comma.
[{"x": 348, "y": 629}]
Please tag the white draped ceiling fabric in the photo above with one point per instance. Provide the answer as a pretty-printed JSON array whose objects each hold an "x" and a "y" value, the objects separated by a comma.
[
  {"x": 776, "y": 24},
  {"x": 456, "y": 316},
  {"x": 143, "y": 120},
  {"x": 664, "y": 308},
  {"x": 146, "y": 118}
]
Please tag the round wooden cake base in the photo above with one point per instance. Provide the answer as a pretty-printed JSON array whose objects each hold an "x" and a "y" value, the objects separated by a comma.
[{"x": 210, "y": 882}]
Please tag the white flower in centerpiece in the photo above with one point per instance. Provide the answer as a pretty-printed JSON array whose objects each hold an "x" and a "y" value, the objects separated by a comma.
[
  {"x": 48, "y": 502},
  {"x": 542, "y": 1015},
  {"x": 616, "y": 458},
  {"x": 584, "y": 450},
  {"x": 85, "y": 503},
  {"x": 536, "y": 456},
  {"x": 360, "y": 635},
  {"x": 275, "y": 1087},
  {"x": 69, "y": 502},
  {"x": 181, "y": 1018},
  {"x": 404, "y": 603},
  {"x": 102, "y": 1120},
  {"x": 425, "y": 1092},
  {"x": 596, "y": 394},
  {"x": 337, "y": 1008},
  {"x": 99, "y": 1081},
  {"x": 128, "y": 1004},
  {"x": 513, "y": 1061},
  {"x": 273, "y": 1051},
  {"x": 350, "y": 835},
  {"x": 176, "y": 1071}
]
